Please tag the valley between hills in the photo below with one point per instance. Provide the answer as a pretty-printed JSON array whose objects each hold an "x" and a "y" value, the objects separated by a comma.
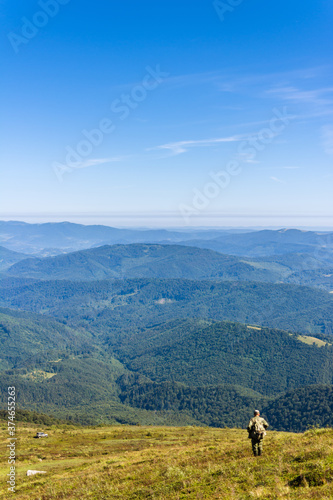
[{"x": 150, "y": 329}]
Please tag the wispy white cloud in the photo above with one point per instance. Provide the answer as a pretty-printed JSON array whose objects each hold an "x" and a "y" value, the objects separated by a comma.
[
  {"x": 235, "y": 82},
  {"x": 93, "y": 162},
  {"x": 325, "y": 111},
  {"x": 327, "y": 139},
  {"x": 182, "y": 80},
  {"x": 231, "y": 80},
  {"x": 316, "y": 96},
  {"x": 248, "y": 160},
  {"x": 176, "y": 148},
  {"x": 275, "y": 179}
]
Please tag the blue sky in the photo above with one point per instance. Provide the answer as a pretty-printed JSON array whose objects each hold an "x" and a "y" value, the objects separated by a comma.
[{"x": 167, "y": 113}]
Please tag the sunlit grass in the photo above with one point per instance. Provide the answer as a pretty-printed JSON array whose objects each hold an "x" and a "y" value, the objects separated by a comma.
[
  {"x": 124, "y": 462},
  {"x": 312, "y": 340}
]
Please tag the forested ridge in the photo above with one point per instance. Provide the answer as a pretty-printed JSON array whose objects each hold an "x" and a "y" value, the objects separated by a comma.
[
  {"x": 183, "y": 371},
  {"x": 132, "y": 303},
  {"x": 169, "y": 351},
  {"x": 170, "y": 261}
]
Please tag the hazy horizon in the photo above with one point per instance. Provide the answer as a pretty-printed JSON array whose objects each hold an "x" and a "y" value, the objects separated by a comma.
[{"x": 159, "y": 224}]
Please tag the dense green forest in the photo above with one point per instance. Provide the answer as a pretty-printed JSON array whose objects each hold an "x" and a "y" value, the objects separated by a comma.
[
  {"x": 105, "y": 307},
  {"x": 266, "y": 360},
  {"x": 320, "y": 278},
  {"x": 155, "y": 350},
  {"x": 148, "y": 261},
  {"x": 171, "y": 262},
  {"x": 201, "y": 372},
  {"x": 217, "y": 406},
  {"x": 33, "y": 417},
  {"x": 82, "y": 389},
  {"x": 9, "y": 258},
  {"x": 297, "y": 410},
  {"x": 28, "y": 338}
]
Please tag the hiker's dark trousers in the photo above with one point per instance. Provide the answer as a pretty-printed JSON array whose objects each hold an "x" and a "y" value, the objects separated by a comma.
[{"x": 257, "y": 446}]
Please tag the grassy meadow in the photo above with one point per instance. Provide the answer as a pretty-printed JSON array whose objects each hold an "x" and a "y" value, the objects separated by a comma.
[{"x": 134, "y": 462}]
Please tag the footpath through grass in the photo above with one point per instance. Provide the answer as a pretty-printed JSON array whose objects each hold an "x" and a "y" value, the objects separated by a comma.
[{"x": 124, "y": 462}]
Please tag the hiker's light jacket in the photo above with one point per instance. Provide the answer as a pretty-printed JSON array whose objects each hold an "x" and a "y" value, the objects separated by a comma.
[{"x": 251, "y": 426}]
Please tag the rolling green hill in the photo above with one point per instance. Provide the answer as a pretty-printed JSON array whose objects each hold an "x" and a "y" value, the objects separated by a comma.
[
  {"x": 108, "y": 307},
  {"x": 151, "y": 349},
  {"x": 65, "y": 372},
  {"x": 32, "y": 417},
  {"x": 217, "y": 406},
  {"x": 197, "y": 353},
  {"x": 9, "y": 257},
  {"x": 174, "y": 262},
  {"x": 27, "y": 337},
  {"x": 230, "y": 406},
  {"x": 320, "y": 278},
  {"x": 143, "y": 261},
  {"x": 267, "y": 242},
  {"x": 190, "y": 371},
  {"x": 306, "y": 406},
  {"x": 80, "y": 388}
]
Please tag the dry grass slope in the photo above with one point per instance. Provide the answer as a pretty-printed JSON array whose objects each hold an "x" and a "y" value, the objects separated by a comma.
[
  {"x": 312, "y": 340},
  {"x": 169, "y": 463}
]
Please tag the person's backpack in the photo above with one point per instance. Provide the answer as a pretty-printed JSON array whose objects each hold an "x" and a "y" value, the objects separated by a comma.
[{"x": 258, "y": 430}]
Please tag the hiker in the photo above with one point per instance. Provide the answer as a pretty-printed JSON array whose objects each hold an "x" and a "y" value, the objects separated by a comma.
[{"x": 257, "y": 431}]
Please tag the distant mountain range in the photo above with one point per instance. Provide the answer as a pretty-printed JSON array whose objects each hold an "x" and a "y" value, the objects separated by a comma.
[
  {"x": 168, "y": 327},
  {"x": 9, "y": 257},
  {"x": 56, "y": 238},
  {"x": 144, "y": 261},
  {"x": 265, "y": 243},
  {"x": 170, "y": 262}
]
